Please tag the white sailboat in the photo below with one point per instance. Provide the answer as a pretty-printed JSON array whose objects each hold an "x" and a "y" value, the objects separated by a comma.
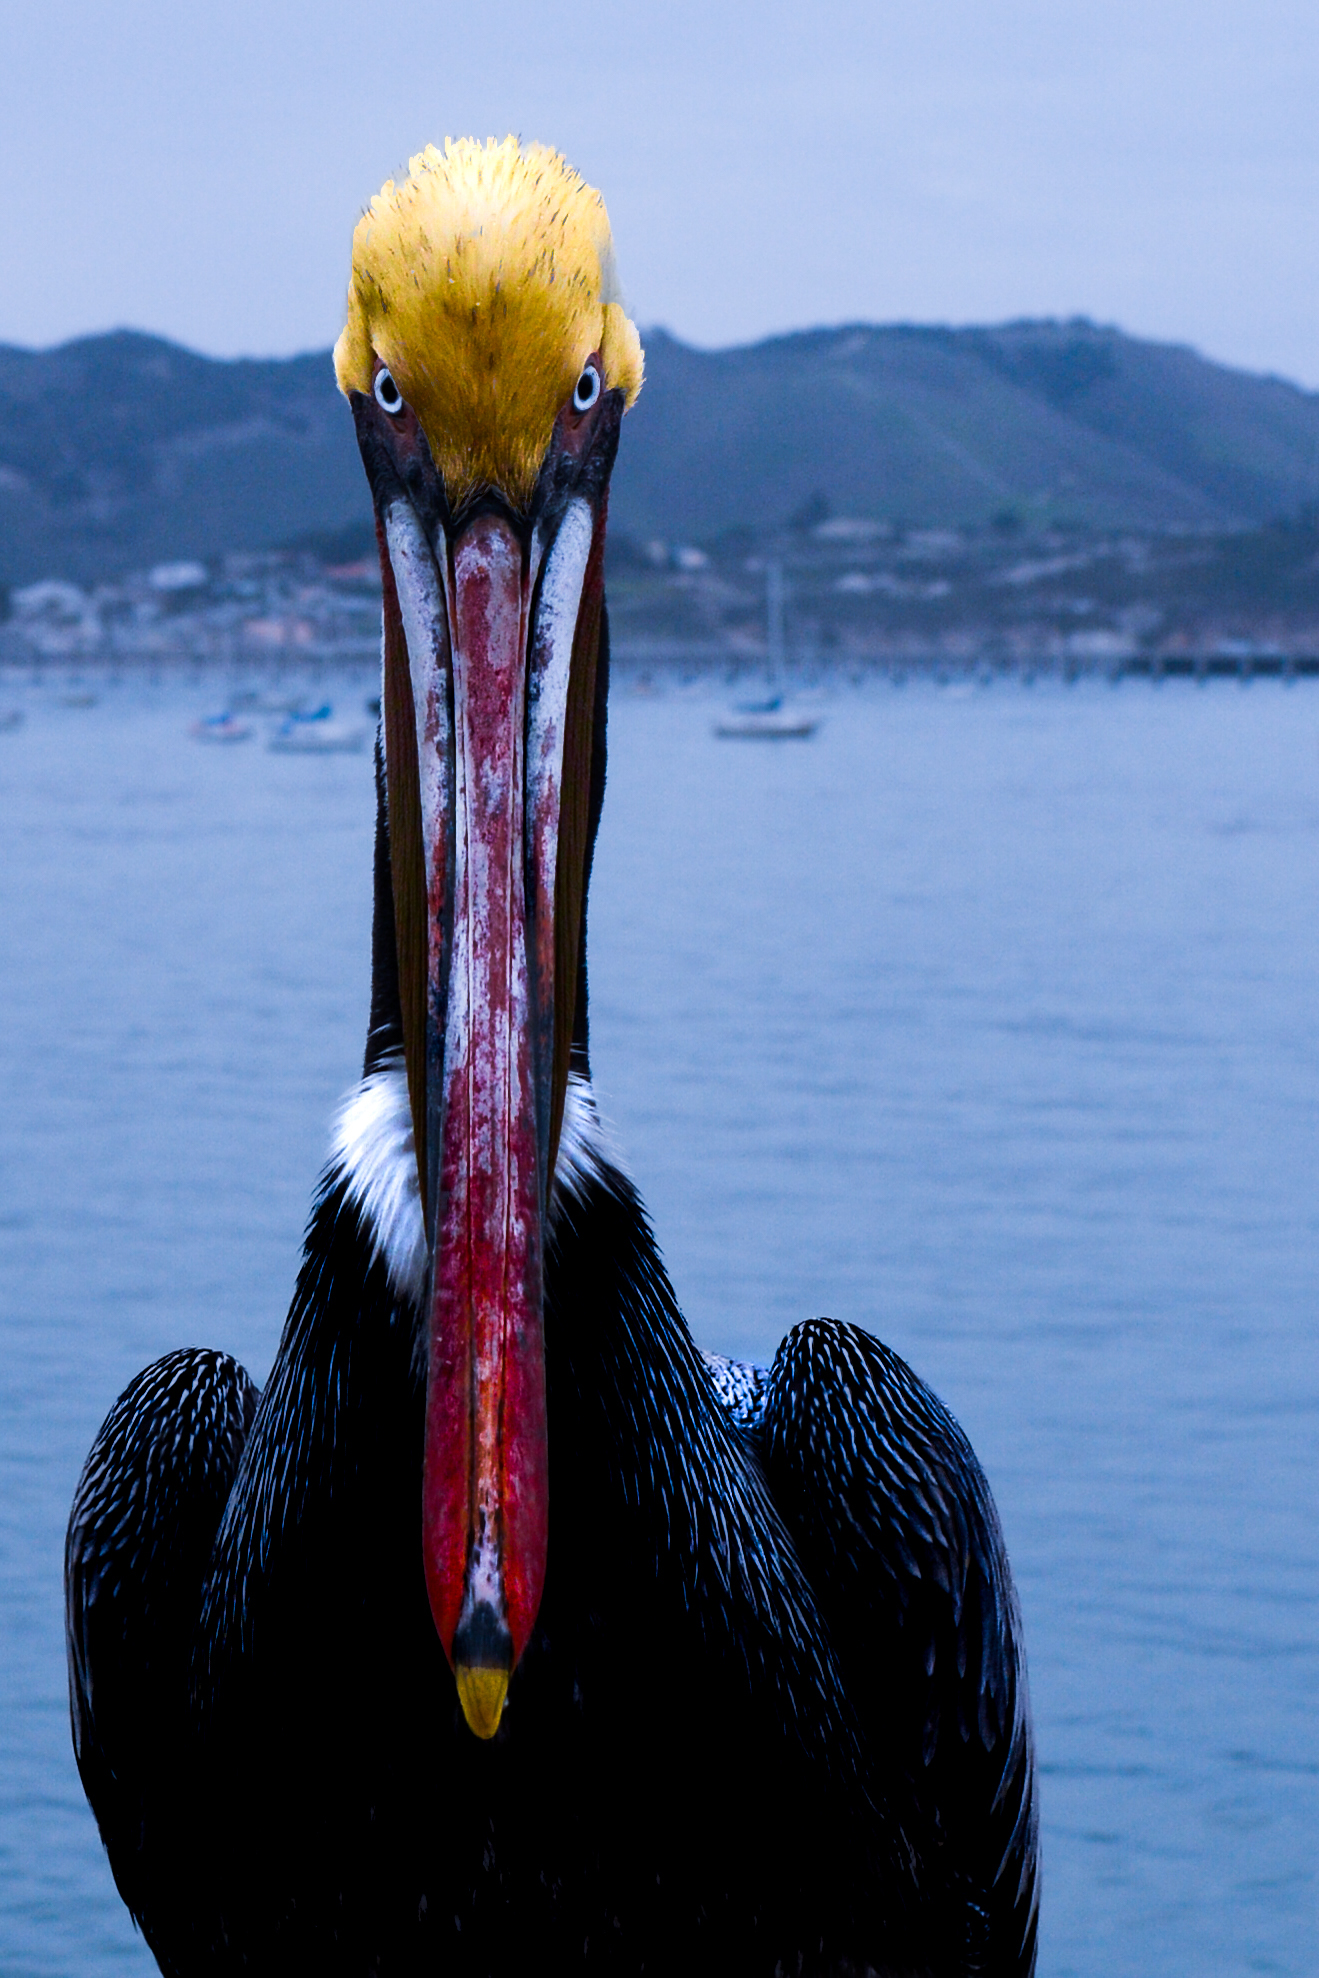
[
  {"x": 318, "y": 733},
  {"x": 769, "y": 719}
]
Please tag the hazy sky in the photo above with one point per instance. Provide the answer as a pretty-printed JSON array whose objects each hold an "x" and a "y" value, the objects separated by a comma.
[{"x": 197, "y": 170}]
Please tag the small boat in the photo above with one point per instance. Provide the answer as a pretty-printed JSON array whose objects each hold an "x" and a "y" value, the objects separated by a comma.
[
  {"x": 766, "y": 721},
  {"x": 769, "y": 720},
  {"x": 220, "y": 728},
  {"x": 318, "y": 733}
]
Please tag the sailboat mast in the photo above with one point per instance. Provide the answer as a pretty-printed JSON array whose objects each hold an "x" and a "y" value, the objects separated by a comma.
[{"x": 775, "y": 653}]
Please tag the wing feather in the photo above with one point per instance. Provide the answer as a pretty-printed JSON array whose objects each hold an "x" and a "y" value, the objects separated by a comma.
[
  {"x": 143, "y": 1523},
  {"x": 897, "y": 1531}
]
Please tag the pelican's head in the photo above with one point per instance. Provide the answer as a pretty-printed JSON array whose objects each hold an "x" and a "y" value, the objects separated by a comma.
[
  {"x": 485, "y": 286},
  {"x": 489, "y": 362}
]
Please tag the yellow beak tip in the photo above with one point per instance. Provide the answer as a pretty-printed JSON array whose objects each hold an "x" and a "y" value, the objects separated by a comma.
[{"x": 481, "y": 1693}]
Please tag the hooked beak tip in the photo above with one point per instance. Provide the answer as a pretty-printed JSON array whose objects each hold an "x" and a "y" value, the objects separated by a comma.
[{"x": 481, "y": 1692}]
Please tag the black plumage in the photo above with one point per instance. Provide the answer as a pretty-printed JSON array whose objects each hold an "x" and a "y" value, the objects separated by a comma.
[{"x": 773, "y": 1716}]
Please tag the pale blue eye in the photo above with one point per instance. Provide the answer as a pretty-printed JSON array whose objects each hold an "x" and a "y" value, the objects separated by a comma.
[
  {"x": 587, "y": 390},
  {"x": 388, "y": 396}
]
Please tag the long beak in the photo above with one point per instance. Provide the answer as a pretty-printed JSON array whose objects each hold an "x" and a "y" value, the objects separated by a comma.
[{"x": 491, "y": 636}]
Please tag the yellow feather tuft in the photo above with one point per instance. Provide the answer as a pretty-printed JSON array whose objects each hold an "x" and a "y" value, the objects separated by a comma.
[{"x": 484, "y": 281}]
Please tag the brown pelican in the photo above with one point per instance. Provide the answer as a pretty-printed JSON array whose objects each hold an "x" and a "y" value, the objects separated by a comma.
[{"x": 505, "y": 1630}]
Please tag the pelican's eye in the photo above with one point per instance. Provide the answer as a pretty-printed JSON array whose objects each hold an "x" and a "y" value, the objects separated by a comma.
[
  {"x": 586, "y": 390},
  {"x": 388, "y": 396}
]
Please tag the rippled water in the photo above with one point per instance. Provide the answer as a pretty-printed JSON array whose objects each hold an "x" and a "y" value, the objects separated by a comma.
[{"x": 990, "y": 1023}]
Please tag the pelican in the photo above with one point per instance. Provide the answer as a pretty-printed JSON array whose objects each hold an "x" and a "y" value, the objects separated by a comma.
[{"x": 504, "y": 1630}]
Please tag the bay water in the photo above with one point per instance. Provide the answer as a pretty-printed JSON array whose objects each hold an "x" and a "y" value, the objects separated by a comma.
[{"x": 986, "y": 1019}]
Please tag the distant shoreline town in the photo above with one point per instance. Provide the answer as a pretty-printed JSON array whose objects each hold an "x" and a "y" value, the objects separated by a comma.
[{"x": 855, "y": 594}]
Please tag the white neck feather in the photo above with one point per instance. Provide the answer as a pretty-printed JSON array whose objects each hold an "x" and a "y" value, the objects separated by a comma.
[{"x": 371, "y": 1149}]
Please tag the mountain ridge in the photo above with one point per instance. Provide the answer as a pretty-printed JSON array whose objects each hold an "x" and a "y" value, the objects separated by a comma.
[{"x": 121, "y": 450}]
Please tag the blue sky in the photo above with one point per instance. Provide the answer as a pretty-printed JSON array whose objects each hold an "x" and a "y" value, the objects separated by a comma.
[{"x": 198, "y": 171}]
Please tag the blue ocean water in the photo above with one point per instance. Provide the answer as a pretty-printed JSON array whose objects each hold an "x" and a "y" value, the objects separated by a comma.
[{"x": 989, "y": 1022}]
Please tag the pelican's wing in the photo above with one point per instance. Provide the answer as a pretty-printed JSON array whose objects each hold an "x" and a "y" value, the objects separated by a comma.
[
  {"x": 898, "y": 1534},
  {"x": 143, "y": 1522}
]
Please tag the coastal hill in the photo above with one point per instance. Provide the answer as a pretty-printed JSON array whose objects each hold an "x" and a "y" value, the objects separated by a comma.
[{"x": 120, "y": 451}]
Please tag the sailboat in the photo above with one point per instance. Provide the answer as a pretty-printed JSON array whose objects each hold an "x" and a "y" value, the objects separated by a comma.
[
  {"x": 318, "y": 733},
  {"x": 769, "y": 719}
]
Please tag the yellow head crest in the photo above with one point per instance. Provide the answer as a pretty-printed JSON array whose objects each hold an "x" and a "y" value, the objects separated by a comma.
[{"x": 484, "y": 282}]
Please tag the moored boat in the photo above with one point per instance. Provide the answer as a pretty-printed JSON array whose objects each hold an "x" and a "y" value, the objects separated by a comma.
[
  {"x": 766, "y": 721},
  {"x": 318, "y": 733}
]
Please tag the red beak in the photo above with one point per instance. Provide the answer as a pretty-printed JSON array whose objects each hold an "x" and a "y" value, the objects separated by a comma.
[
  {"x": 485, "y": 1494},
  {"x": 483, "y": 692}
]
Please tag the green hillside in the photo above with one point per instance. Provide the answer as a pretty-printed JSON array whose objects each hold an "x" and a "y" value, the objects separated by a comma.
[
  {"x": 928, "y": 427},
  {"x": 124, "y": 450}
]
